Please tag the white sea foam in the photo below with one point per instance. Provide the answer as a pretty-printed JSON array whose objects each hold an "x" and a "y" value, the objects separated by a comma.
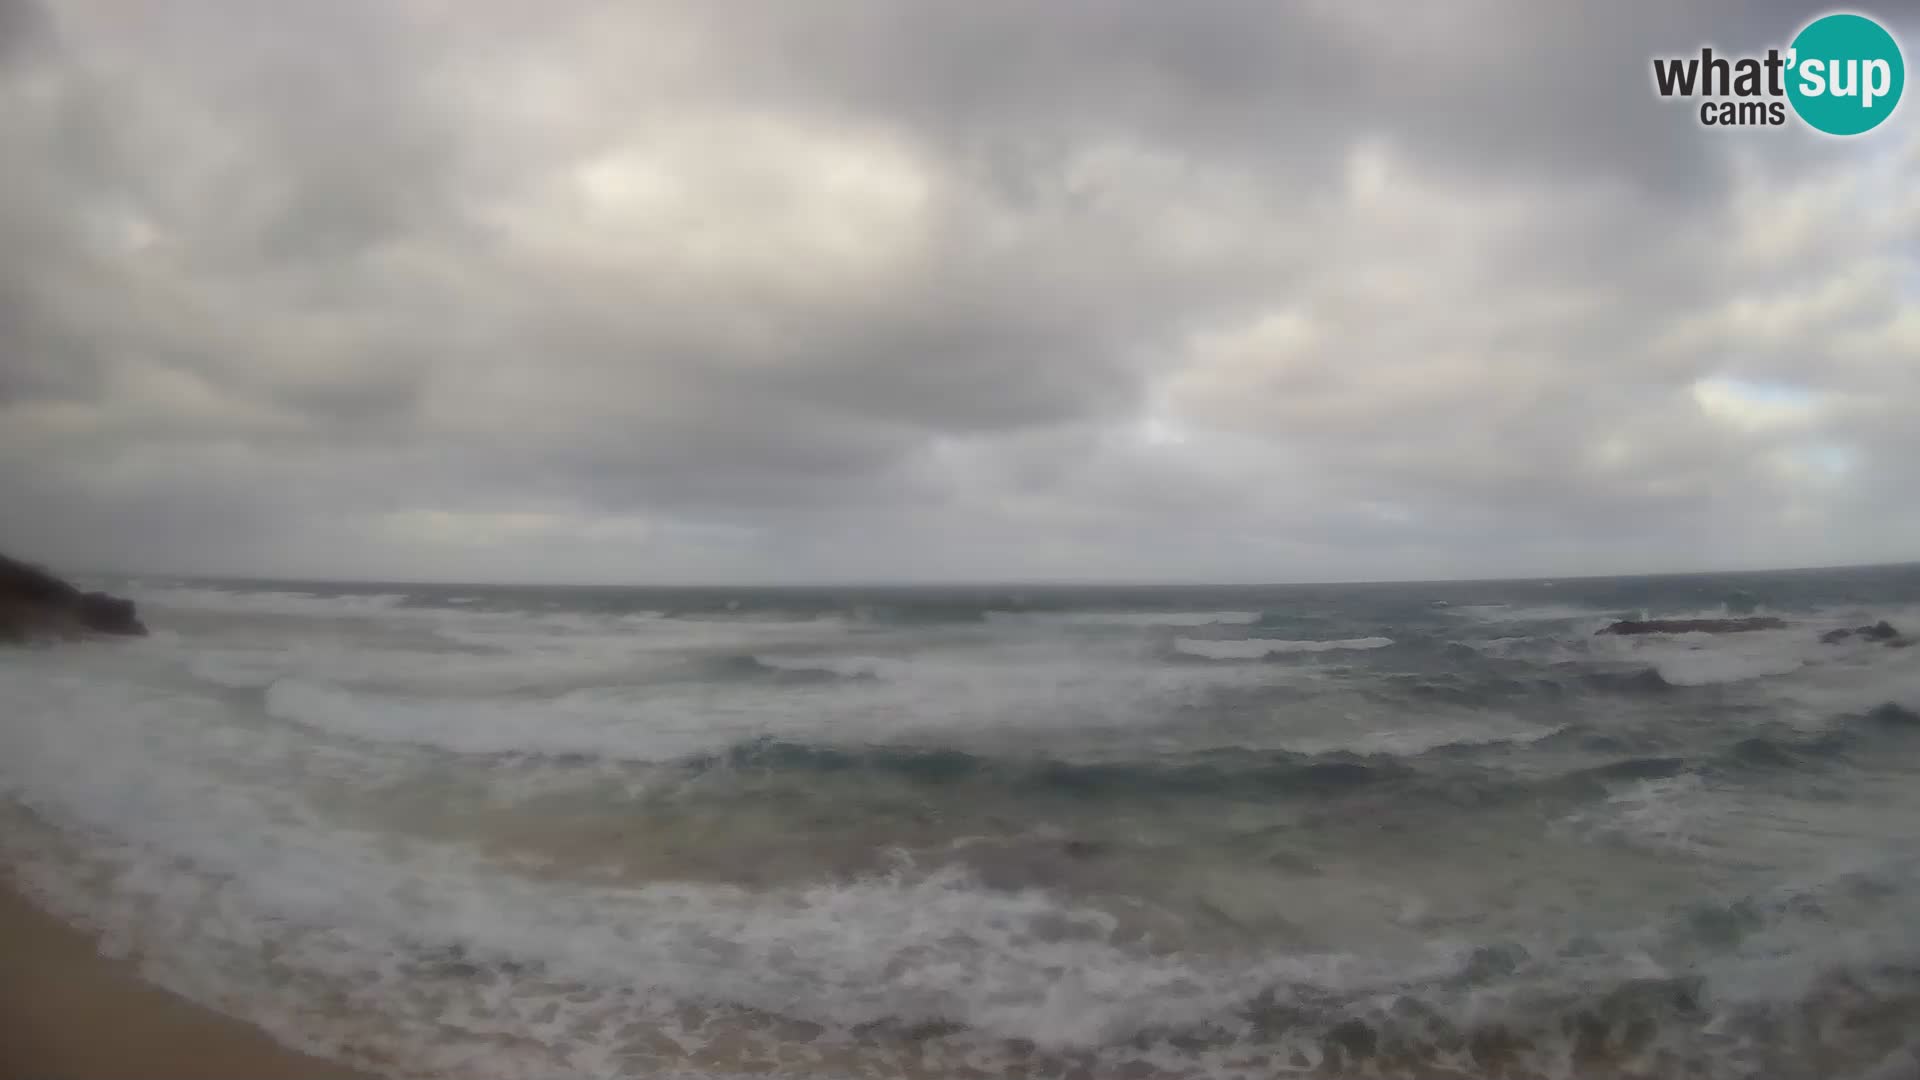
[
  {"x": 600, "y": 723},
  {"x": 878, "y": 700},
  {"x": 1714, "y": 821},
  {"x": 852, "y": 667},
  {"x": 468, "y": 654},
  {"x": 901, "y": 948},
  {"x": 1705, "y": 667},
  {"x": 265, "y": 602},
  {"x": 196, "y": 830},
  {"x": 457, "y": 674},
  {"x": 202, "y": 868},
  {"x": 1666, "y": 812},
  {"x": 1698, "y": 659},
  {"x": 572, "y": 631},
  {"x": 1533, "y": 613},
  {"x": 1256, "y": 648},
  {"x": 1506, "y": 647},
  {"x": 1142, "y": 619},
  {"x": 1854, "y": 682}
]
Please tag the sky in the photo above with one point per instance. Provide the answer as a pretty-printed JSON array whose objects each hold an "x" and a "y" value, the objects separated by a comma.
[{"x": 872, "y": 290}]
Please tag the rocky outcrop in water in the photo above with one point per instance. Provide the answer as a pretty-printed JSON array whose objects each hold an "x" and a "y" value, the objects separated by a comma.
[
  {"x": 1693, "y": 626},
  {"x": 35, "y": 604},
  {"x": 1882, "y": 631},
  {"x": 1894, "y": 714}
]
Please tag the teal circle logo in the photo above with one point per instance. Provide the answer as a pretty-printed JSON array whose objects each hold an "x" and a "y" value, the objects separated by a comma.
[{"x": 1845, "y": 74}]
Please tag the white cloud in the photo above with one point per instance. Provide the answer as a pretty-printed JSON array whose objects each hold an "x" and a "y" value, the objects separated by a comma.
[
  {"x": 1757, "y": 407},
  {"x": 482, "y": 290}
]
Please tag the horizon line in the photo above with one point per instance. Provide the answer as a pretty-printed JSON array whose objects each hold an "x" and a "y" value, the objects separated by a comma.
[{"x": 983, "y": 583}]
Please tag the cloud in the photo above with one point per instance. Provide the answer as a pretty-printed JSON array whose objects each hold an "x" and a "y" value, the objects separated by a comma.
[{"x": 850, "y": 290}]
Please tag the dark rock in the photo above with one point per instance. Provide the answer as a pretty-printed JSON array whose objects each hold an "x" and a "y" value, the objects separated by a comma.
[
  {"x": 21, "y": 583},
  {"x": 1894, "y": 714},
  {"x": 107, "y": 614},
  {"x": 1694, "y": 626},
  {"x": 1881, "y": 631},
  {"x": 35, "y": 604}
]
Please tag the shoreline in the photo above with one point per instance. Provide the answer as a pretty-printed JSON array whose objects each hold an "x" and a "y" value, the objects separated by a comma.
[{"x": 69, "y": 1013}]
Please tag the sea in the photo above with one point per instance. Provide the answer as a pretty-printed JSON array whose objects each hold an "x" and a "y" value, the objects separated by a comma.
[{"x": 1379, "y": 830}]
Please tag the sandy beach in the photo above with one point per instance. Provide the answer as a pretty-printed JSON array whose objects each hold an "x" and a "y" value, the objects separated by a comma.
[{"x": 68, "y": 1013}]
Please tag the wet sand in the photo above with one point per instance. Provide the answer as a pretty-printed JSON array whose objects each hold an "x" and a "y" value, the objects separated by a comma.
[{"x": 68, "y": 1013}]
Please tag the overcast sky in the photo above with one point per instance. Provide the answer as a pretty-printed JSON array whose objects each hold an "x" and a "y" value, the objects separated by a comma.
[{"x": 859, "y": 290}]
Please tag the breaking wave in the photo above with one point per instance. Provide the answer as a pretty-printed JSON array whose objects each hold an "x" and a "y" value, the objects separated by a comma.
[
  {"x": 1420, "y": 832},
  {"x": 1261, "y": 648}
]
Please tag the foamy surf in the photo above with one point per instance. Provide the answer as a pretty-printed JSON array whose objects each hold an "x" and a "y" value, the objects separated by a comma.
[
  {"x": 1258, "y": 648},
  {"x": 712, "y": 835}
]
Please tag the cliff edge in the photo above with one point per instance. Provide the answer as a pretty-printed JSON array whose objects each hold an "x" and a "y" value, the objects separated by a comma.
[{"x": 35, "y": 604}]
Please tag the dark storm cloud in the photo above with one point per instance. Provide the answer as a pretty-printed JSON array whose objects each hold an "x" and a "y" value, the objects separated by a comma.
[
  {"x": 1002, "y": 290},
  {"x": 21, "y": 25}
]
